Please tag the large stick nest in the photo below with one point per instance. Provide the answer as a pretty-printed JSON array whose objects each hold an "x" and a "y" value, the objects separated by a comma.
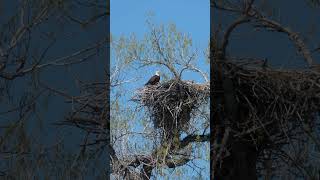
[
  {"x": 279, "y": 104},
  {"x": 171, "y": 103}
]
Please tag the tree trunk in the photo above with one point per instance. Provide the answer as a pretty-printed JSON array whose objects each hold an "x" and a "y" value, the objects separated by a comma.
[{"x": 241, "y": 164}]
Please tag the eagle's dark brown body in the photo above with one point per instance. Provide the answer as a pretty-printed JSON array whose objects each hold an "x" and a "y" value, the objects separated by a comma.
[{"x": 153, "y": 80}]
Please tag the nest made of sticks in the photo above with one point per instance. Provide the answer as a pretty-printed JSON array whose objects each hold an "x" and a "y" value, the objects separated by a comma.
[
  {"x": 170, "y": 104},
  {"x": 276, "y": 103}
]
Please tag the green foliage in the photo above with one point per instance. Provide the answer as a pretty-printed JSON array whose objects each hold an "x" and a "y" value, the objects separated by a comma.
[{"x": 162, "y": 46}]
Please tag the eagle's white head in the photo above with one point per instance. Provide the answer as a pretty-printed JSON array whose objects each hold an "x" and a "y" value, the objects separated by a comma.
[{"x": 158, "y": 73}]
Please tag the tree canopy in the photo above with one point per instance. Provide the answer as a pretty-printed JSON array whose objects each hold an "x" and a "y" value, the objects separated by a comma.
[{"x": 140, "y": 148}]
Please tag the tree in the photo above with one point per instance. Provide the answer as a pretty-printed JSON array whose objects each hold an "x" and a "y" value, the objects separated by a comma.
[
  {"x": 44, "y": 45},
  {"x": 143, "y": 145},
  {"x": 265, "y": 126}
]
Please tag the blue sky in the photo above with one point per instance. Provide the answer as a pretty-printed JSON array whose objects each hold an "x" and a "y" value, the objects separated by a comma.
[{"x": 191, "y": 17}]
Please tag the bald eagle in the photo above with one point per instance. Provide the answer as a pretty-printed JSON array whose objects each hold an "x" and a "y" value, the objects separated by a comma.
[{"x": 154, "y": 79}]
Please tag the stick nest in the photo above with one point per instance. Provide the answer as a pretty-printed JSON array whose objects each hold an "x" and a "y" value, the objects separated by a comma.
[
  {"x": 275, "y": 104},
  {"x": 170, "y": 104}
]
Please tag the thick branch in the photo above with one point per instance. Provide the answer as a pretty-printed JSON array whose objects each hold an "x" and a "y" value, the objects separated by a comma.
[
  {"x": 194, "y": 138},
  {"x": 242, "y": 19},
  {"x": 232, "y": 27},
  {"x": 294, "y": 37},
  {"x": 148, "y": 164}
]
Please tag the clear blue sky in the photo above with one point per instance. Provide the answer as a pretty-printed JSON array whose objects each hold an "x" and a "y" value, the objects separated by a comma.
[
  {"x": 189, "y": 16},
  {"x": 192, "y": 17}
]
